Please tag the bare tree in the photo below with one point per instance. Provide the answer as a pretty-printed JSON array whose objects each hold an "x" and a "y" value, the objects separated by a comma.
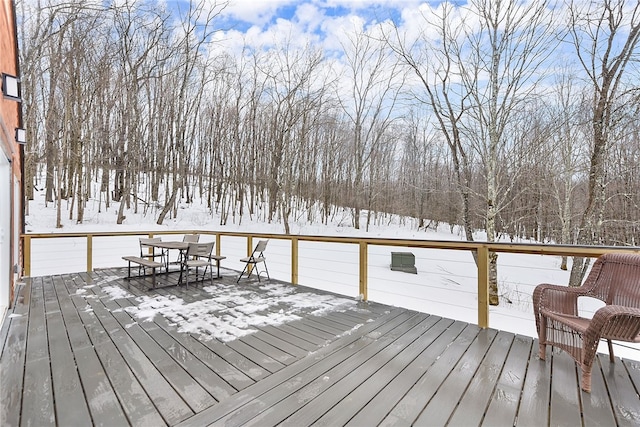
[
  {"x": 373, "y": 82},
  {"x": 605, "y": 36},
  {"x": 481, "y": 67}
]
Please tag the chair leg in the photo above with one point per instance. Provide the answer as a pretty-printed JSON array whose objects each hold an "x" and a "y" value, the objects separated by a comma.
[
  {"x": 250, "y": 268},
  {"x": 612, "y": 358},
  {"x": 241, "y": 274},
  {"x": 266, "y": 269},
  {"x": 542, "y": 338},
  {"x": 586, "y": 378}
]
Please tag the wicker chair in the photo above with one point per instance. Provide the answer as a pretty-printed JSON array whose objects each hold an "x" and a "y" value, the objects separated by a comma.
[{"x": 615, "y": 280}]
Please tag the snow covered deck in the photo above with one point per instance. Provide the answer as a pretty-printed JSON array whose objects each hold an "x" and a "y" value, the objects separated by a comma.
[{"x": 92, "y": 348}]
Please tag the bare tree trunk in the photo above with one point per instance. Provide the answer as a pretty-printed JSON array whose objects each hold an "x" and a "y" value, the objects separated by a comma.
[{"x": 604, "y": 56}]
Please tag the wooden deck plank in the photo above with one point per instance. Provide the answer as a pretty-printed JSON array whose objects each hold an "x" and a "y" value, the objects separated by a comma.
[
  {"x": 234, "y": 367},
  {"x": 67, "y": 387},
  {"x": 106, "y": 377},
  {"x": 418, "y": 397},
  {"x": 358, "y": 315},
  {"x": 282, "y": 341},
  {"x": 304, "y": 335},
  {"x": 256, "y": 356},
  {"x": 503, "y": 408},
  {"x": 323, "y": 325},
  {"x": 372, "y": 376},
  {"x": 565, "y": 403},
  {"x": 446, "y": 399},
  {"x": 343, "y": 319},
  {"x": 367, "y": 365},
  {"x": 268, "y": 350},
  {"x": 200, "y": 372},
  {"x": 311, "y": 329},
  {"x": 251, "y": 395},
  {"x": 633, "y": 367},
  {"x": 332, "y": 388},
  {"x": 476, "y": 398},
  {"x": 444, "y": 332},
  {"x": 12, "y": 357},
  {"x": 293, "y": 339},
  {"x": 165, "y": 398},
  {"x": 339, "y": 325},
  {"x": 625, "y": 398},
  {"x": 533, "y": 410},
  {"x": 37, "y": 398},
  {"x": 197, "y": 370},
  {"x": 103, "y": 403},
  {"x": 311, "y": 382},
  {"x": 235, "y": 377},
  {"x": 135, "y": 338},
  {"x": 596, "y": 406}
]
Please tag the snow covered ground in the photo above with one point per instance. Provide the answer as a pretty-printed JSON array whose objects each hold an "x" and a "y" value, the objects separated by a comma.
[{"x": 445, "y": 285}]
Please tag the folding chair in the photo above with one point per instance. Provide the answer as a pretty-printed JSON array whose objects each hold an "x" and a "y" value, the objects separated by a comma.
[
  {"x": 150, "y": 252},
  {"x": 191, "y": 238},
  {"x": 188, "y": 238},
  {"x": 251, "y": 262},
  {"x": 198, "y": 255}
]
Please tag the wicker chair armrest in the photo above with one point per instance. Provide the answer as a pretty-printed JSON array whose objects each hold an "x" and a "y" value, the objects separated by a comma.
[
  {"x": 557, "y": 298},
  {"x": 616, "y": 322}
]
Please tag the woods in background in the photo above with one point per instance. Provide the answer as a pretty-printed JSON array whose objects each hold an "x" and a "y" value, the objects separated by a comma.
[{"x": 518, "y": 118}]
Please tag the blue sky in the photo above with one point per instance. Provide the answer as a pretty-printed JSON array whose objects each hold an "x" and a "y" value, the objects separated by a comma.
[
  {"x": 322, "y": 23},
  {"x": 260, "y": 12},
  {"x": 308, "y": 16}
]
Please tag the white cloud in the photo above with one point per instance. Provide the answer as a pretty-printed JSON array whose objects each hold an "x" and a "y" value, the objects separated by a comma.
[{"x": 257, "y": 12}]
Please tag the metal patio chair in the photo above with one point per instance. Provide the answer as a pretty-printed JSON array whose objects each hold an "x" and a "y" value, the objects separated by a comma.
[
  {"x": 251, "y": 262},
  {"x": 198, "y": 256},
  {"x": 188, "y": 238},
  {"x": 150, "y": 252}
]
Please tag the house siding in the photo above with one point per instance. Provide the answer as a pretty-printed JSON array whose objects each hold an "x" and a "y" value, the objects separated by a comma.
[{"x": 10, "y": 119}]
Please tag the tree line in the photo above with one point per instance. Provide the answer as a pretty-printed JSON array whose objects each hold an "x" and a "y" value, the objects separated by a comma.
[{"x": 517, "y": 118}]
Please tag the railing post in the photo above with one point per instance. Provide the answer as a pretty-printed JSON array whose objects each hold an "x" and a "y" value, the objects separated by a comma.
[
  {"x": 27, "y": 255},
  {"x": 89, "y": 253},
  {"x": 249, "y": 252},
  {"x": 483, "y": 287},
  {"x": 218, "y": 244},
  {"x": 363, "y": 270},
  {"x": 294, "y": 260}
]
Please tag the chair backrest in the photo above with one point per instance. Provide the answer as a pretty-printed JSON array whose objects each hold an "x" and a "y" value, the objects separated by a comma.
[
  {"x": 146, "y": 242},
  {"x": 200, "y": 249},
  {"x": 191, "y": 238},
  {"x": 615, "y": 279},
  {"x": 260, "y": 247}
]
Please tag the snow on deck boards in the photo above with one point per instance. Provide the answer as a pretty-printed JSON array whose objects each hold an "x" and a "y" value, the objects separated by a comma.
[{"x": 82, "y": 349}]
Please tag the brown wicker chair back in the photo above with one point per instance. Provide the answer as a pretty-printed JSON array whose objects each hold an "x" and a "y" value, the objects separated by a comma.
[{"x": 615, "y": 280}]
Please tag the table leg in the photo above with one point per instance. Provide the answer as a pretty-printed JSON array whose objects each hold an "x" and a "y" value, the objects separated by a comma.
[{"x": 182, "y": 257}]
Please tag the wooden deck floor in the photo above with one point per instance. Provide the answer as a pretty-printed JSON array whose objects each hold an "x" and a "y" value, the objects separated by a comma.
[{"x": 72, "y": 355}]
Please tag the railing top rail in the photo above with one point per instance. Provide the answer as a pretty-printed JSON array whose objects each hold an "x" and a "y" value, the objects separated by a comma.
[{"x": 521, "y": 248}]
